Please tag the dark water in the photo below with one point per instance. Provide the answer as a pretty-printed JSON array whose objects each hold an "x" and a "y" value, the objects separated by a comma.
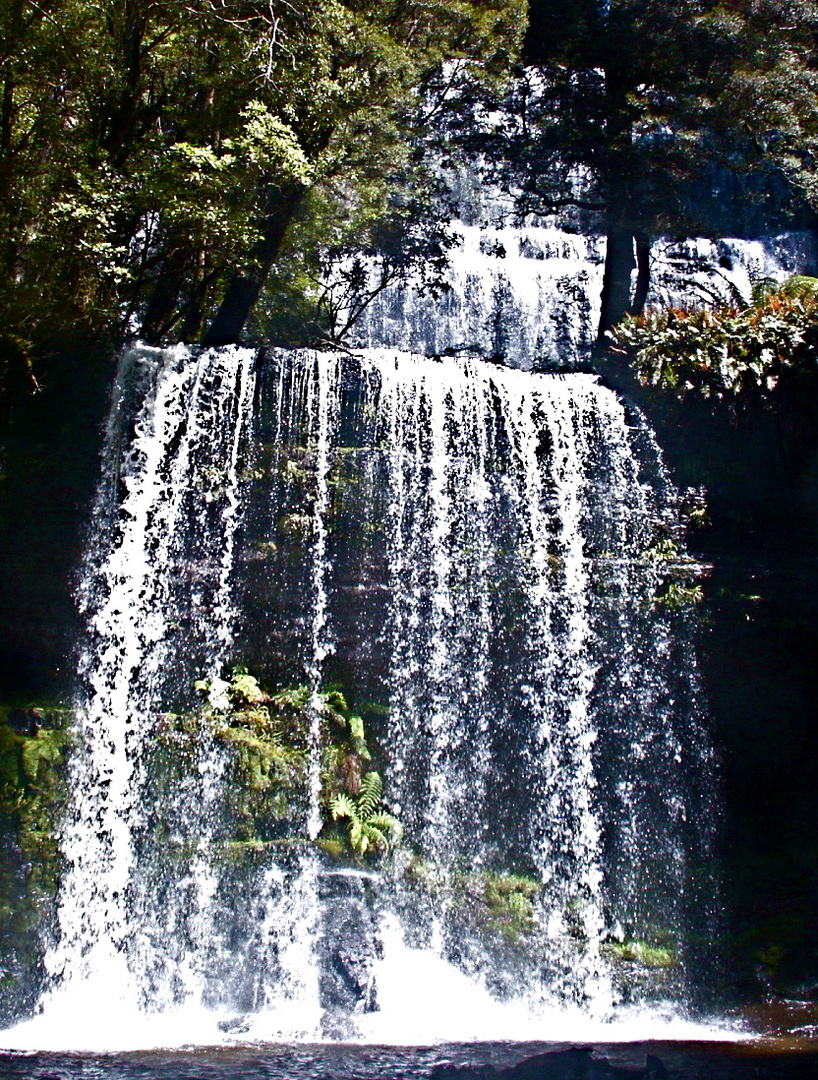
[{"x": 682, "y": 1061}]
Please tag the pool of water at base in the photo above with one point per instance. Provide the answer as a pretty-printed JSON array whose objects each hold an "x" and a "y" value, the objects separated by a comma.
[{"x": 761, "y": 1059}]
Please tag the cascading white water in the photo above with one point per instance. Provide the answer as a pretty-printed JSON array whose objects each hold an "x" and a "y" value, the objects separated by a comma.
[
  {"x": 530, "y": 481},
  {"x": 156, "y": 585},
  {"x": 523, "y": 294},
  {"x": 478, "y": 547},
  {"x": 532, "y": 292}
]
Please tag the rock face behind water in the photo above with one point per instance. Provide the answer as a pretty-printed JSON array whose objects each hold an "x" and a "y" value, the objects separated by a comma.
[{"x": 348, "y": 948}]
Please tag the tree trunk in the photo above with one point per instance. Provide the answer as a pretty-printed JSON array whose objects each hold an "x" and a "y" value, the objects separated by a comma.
[
  {"x": 628, "y": 247},
  {"x": 245, "y": 286},
  {"x": 616, "y": 282},
  {"x": 640, "y": 294},
  {"x": 164, "y": 299},
  {"x": 120, "y": 123}
]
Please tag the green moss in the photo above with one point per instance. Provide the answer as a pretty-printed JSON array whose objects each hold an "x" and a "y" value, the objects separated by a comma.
[
  {"x": 32, "y": 783},
  {"x": 33, "y": 794},
  {"x": 334, "y": 846},
  {"x": 266, "y": 776},
  {"x": 246, "y": 853},
  {"x": 502, "y": 903},
  {"x": 430, "y": 877},
  {"x": 641, "y": 953},
  {"x": 295, "y": 528},
  {"x": 499, "y": 906},
  {"x": 266, "y": 549},
  {"x": 676, "y": 596}
]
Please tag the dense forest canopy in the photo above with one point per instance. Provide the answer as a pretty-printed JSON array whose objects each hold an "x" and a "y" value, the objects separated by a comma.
[
  {"x": 178, "y": 168},
  {"x": 154, "y": 153}
]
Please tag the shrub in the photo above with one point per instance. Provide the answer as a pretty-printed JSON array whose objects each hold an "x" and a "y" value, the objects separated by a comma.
[{"x": 729, "y": 351}]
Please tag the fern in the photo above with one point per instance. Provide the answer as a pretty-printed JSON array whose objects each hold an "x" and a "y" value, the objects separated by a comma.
[
  {"x": 800, "y": 287},
  {"x": 370, "y": 796},
  {"x": 370, "y": 829},
  {"x": 762, "y": 289},
  {"x": 730, "y": 351},
  {"x": 389, "y": 826},
  {"x": 343, "y": 806},
  {"x": 292, "y": 697},
  {"x": 245, "y": 690}
]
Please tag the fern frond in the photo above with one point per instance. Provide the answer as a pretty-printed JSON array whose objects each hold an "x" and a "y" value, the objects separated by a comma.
[
  {"x": 356, "y": 730},
  {"x": 389, "y": 826},
  {"x": 357, "y": 839},
  {"x": 762, "y": 288},
  {"x": 374, "y": 837},
  {"x": 333, "y": 706},
  {"x": 800, "y": 286},
  {"x": 342, "y": 806},
  {"x": 371, "y": 790},
  {"x": 294, "y": 697}
]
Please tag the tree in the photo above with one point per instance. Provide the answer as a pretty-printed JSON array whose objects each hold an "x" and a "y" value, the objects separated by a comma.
[
  {"x": 623, "y": 103},
  {"x": 154, "y": 154}
]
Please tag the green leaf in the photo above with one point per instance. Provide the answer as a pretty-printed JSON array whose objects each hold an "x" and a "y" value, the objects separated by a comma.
[
  {"x": 342, "y": 806},
  {"x": 371, "y": 790}
]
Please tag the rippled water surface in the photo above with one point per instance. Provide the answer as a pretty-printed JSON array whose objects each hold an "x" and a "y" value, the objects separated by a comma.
[{"x": 682, "y": 1061}]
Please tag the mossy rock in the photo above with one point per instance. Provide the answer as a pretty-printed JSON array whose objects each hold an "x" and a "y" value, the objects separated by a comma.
[
  {"x": 296, "y": 528},
  {"x": 641, "y": 953},
  {"x": 334, "y": 846},
  {"x": 498, "y": 906},
  {"x": 500, "y": 903}
]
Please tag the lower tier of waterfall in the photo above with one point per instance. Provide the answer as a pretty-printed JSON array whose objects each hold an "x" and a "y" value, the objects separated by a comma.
[{"x": 388, "y": 725}]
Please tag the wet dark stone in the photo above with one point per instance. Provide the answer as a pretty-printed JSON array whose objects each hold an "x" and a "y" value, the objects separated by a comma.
[
  {"x": 578, "y": 1063},
  {"x": 349, "y": 947}
]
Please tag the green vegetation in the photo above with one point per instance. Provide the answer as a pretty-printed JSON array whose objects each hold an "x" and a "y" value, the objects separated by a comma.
[
  {"x": 645, "y": 966},
  {"x": 676, "y": 586},
  {"x": 497, "y": 905},
  {"x": 265, "y": 736},
  {"x": 191, "y": 172},
  {"x": 641, "y": 953},
  {"x": 268, "y": 738},
  {"x": 371, "y": 829},
  {"x": 678, "y": 595},
  {"x": 32, "y": 796},
  {"x": 158, "y": 159},
  {"x": 729, "y": 352},
  {"x": 500, "y": 904},
  {"x": 32, "y": 787}
]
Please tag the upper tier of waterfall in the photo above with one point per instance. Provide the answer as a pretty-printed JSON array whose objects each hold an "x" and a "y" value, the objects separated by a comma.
[{"x": 531, "y": 295}]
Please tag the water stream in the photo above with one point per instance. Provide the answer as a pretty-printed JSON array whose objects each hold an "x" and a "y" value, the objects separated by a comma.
[
  {"x": 489, "y": 562},
  {"x": 533, "y": 292}
]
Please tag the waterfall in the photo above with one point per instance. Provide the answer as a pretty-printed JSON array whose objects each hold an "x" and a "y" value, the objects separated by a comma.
[
  {"x": 484, "y": 561},
  {"x": 534, "y": 291},
  {"x": 156, "y": 589}
]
